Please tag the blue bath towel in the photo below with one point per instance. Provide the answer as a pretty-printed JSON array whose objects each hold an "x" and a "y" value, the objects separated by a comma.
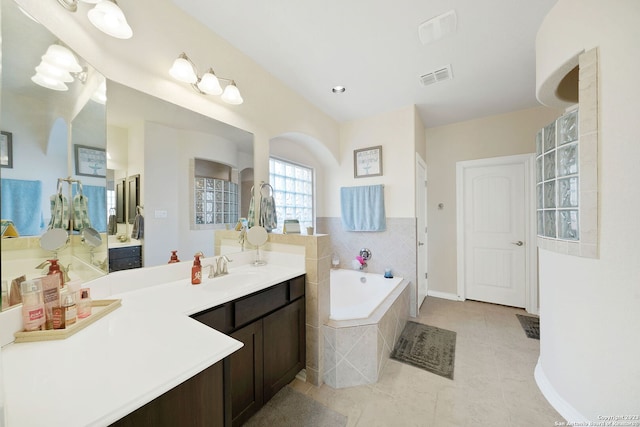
[
  {"x": 22, "y": 203},
  {"x": 363, "y": 208},
  {"x": 96, "y": 204}
]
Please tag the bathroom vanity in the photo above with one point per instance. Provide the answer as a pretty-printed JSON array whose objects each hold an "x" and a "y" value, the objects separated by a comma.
[
  {"x": 271, "y": 325},
  {"x": 169, "y": 354}
]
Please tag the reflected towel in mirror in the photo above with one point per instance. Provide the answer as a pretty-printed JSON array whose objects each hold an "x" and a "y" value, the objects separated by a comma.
[{"x": 21, "y": 202}]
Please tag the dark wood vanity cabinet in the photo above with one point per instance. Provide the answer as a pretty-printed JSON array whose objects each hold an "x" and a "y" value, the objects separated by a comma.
[
  {"x": 125, "y": 258},
  {"x": 199, "y": 401},
  {"x": 271, "y": 325}
]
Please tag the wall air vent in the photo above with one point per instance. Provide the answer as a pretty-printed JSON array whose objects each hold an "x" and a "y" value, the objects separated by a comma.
[{"x": 436, "y": 76}]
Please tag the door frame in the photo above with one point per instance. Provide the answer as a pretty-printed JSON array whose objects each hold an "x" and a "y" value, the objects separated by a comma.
[
  {"x": 424, "y": 189},
  {"x": 531, "y": 253}
]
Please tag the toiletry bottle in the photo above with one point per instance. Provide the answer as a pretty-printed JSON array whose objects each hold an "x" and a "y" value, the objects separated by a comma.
[
  {"x": 54, "y": 268},
  {"x": 70, "y": 310},
  {"x": 84, "y": 305},
  {"x": 174, "y": 257},
  {"x": 196, "y": 270},
  {"x": 33, "y": 316}
]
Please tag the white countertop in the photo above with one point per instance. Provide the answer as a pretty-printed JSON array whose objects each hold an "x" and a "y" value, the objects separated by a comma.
[{"x": 134, "y": 354}]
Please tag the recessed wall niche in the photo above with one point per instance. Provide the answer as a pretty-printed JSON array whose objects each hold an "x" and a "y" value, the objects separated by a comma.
[{"x": 567, "y": 170}]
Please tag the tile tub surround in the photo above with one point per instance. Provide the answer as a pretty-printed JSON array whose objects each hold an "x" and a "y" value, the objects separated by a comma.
[
  {"x": 356, "y": 351},
  {"x": 394, "y": 248}
]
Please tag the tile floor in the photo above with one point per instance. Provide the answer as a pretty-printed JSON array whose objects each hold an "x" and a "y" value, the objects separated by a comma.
[{"x": 493, "y": 380}]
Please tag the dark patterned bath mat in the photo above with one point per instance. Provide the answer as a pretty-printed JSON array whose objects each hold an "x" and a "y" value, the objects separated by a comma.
[
  {"x": 289, "y": 408},
  {"x": 531, "y": 326},
  {"x": 427, "y": 347}
]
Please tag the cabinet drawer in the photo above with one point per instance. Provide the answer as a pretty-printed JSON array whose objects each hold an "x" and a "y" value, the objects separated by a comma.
[
  {"x": 296, "y": 288},
  {"x": 257, "y": 305},
  {"x": 124, "y": 264},
  {"x": 126, "y": 252},
  {"x": 218, "y": 318}
]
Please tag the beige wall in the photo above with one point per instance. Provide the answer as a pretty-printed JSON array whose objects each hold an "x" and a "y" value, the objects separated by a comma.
[
  {"x": 394, "y": 131},
  {"x": 589, "y": 308},
  {"x": 495, "y": 136}
]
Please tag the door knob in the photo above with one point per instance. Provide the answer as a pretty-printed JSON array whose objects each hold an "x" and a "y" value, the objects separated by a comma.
[
  {"x": 420, "y": 244},
  {"x": 518, "y": 243}
]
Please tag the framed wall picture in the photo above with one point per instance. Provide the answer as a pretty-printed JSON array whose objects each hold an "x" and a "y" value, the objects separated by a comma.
[
  {"x": 367, "y": 162},
  {"x": 91, "y": 161},
  {"x": 6, "y": 149}
]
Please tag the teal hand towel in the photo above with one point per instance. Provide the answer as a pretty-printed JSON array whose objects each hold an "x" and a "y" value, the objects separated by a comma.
[
  {"x": 21, "y": 202},
  {"x": 363, "y": 208}
]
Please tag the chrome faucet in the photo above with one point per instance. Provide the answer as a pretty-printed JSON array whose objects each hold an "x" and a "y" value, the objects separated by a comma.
[
  {"x": 219, "y": 267},
  {"x": 222, "y": 264}
]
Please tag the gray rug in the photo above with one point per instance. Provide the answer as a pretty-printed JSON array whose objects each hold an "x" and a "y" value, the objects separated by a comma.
[
  {"x": 427, "y": 347},
  {"x": 289, "y": 408},
  {"x": 531, "y": 326}
]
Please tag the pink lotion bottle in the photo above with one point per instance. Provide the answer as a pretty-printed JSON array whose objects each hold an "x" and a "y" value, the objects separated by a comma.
[{"x": 84, "y": 305}]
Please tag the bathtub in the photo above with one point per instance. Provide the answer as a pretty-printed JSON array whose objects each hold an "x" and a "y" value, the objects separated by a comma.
[
  {"x": 356, "y": 295},
  {"x": 367, "y": 315}
]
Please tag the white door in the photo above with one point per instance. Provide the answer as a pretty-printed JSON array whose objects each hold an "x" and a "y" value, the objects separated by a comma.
[
  {"x": 421, "y": 227},
  {"x": 494, "y": 220}
]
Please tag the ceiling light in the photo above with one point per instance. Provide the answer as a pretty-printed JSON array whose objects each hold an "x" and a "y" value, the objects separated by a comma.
[
  {"x": 59, "y": 56},
  {"x": 105, "y": 16},
  {"x": 49, "y": 83},
  {"x": 184, "y": 70},
  {"x": 231, "y": 94},
  {"x": 209, "y": 83},
  {"x": 338, "y": 89},
  {"x": 58, "y": 66},
  {"x": 109, "y": 18}
]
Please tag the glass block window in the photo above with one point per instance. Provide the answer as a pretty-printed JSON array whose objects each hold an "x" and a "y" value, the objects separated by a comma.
[
  {"x": 216, "y": 201},
  {"x": 292, "y": 191},
  {"x": 557, "y": 179}
]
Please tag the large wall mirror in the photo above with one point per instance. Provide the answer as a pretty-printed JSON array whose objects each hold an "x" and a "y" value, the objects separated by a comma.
[
  {"x": 57, "y": 124},
  {"x": 148, "y": 145}
]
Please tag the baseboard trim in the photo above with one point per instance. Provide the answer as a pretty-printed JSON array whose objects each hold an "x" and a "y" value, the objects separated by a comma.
[
  {"x": 568, "y": 412},
  {"x": 443, "y": 295}
]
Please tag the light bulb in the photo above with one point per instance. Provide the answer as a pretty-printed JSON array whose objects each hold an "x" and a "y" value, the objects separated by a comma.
[
  {"x": 49, "y": 83},
  {"x": 209, "y": 83},
  {"x": 62, "y": 57},
  {"x": 109, "y": 18},
  {"x": 183, "y": 70},
  {"x": 231, "y": 95},
  {"x": 54, "y": 72}
]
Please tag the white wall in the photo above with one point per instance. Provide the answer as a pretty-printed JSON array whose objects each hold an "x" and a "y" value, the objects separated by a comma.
[
  {"x": 589, "y": 308},
  {"x": 494, "y": 136}
]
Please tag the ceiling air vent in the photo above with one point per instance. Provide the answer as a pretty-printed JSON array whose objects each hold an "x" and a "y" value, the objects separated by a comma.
[
  {"x": 437, "y": 27},
  {"x": 436, "y": 76}
]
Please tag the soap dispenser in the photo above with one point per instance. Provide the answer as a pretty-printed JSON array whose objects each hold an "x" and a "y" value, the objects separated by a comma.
[
  {"x": 196, "y": 270},
  {"x": 54, "y": 268},
  {"x": 174, "y": 257}
]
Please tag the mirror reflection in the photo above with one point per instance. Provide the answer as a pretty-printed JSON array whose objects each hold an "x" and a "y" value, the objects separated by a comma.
[
  {"x": 136, "y": 157},
  {"x": 185, "y": 174},
  {"x": 48, "y": 111}
]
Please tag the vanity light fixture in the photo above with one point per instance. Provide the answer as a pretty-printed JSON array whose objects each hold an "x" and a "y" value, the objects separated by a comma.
[
  {"x": 184, "y": 70},
  {"x": 58, "y": 66},
  {"x": 105, "y": 16}
]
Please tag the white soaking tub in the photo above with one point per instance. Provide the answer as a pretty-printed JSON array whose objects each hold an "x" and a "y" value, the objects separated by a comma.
[{"x": 367, "y": 315}]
